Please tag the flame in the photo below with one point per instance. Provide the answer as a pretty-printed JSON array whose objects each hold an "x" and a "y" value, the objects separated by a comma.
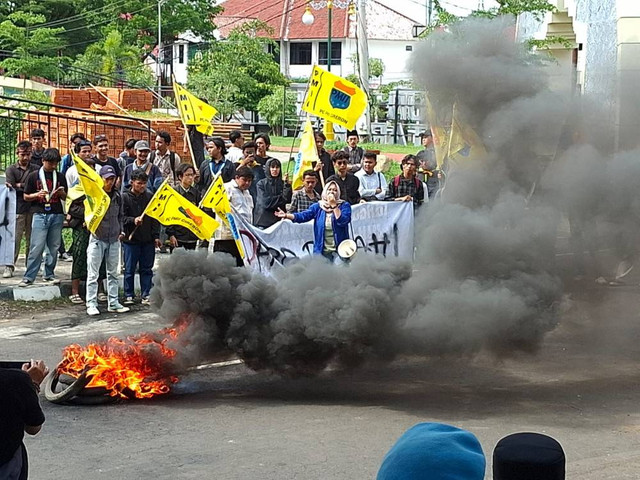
[{"x": 136, "y": 364}]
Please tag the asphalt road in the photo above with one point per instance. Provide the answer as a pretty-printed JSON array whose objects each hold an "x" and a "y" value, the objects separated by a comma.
[{"x": 232, "y": 423}]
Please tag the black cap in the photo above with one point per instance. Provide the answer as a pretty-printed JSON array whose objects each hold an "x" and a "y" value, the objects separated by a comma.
[
  {"x": 528, "y": 456},
  {"x": 426, "y": 133},
  {"x": 352, "y": 133}
]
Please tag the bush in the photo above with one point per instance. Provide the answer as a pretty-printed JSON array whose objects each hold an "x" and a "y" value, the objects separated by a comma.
[{"x": 272, "y": 108}]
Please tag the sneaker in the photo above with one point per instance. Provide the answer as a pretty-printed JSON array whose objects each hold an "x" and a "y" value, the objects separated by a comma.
[
  {"x": 51, "y": 280},
  {"x": 145, "y": 301},
  {"x": 118, "y": 309},
  {"x": 8, "y": 272},
  {"x": 102, "y": 297},
  {"x": 128, "y": 301},
  {"x": 25, "y": 282},
  {"x": 93, "y": 311},
  {"x": 65, "y": 257}
]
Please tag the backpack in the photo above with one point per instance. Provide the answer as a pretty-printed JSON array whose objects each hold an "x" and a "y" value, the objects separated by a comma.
[
  {"x": 172, "y": 162},
  {"x": 396, "y": 182}
]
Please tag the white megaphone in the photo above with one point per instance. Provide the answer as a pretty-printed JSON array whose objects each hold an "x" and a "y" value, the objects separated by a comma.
[{"x": 347, "y": 249}]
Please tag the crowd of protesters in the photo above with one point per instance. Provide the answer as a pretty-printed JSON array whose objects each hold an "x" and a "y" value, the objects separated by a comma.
[{"x": 254, "y": 181}]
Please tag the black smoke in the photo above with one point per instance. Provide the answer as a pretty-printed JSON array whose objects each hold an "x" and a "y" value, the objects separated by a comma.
[{"x": 484, "y": 277}]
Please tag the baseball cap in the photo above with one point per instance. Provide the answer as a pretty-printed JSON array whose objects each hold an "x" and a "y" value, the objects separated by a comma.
[
  {"x": 426, "y": 133},
  {"x": 107, "y": 171},
  {"x": 142, "y": 145}
]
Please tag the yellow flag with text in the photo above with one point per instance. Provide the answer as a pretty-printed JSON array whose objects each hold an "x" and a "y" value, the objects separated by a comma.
[
  {"x": 97, "y": 201},
  {"x": 464, "y": 142},
  {"x": 193, "y": 110},
  {"x": 334, "y": 98},
  {"x": 439, "y": 132},
  {"x": 307, "y": 154},
  {"x": 170, "y": 208},
  {"x": 216, "y": 198}
]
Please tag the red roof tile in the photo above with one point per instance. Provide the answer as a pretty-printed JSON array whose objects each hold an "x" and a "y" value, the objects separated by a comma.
[{"x": 285, "y": 17}]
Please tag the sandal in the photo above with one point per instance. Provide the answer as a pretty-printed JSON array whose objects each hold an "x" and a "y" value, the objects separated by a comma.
[
  {"x": 102, "y": 297},
  {"x": 77, "y": 299}
]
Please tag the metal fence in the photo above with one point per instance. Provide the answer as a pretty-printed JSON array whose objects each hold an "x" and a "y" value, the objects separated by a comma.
[{"x": 18, "y": 117}]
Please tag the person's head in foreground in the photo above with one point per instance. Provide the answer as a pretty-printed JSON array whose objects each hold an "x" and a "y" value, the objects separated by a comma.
[
  {"x": 434, "y": 451},
  {"x": 528, "y": 456}
]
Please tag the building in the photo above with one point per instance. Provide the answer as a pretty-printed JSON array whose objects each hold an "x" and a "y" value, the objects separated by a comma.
[
  {"x": 389, "y": 35},
  {"x": 602, "y": 58}
]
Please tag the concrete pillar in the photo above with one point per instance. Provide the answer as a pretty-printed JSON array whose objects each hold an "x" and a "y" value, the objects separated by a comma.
[{"x": 628, "y": 73}]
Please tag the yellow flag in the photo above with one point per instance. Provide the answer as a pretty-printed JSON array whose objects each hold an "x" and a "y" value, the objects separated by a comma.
[
  {"x": 464, "y": 142},
  {"x": 216, "y": 198},
  {"x": 334, "y": 98},
  {"x": 170, "y": 208},
  {"x": 74, "y": 193},
  {"x": 439, "y": 132},
  {"x": 193, "y": 110},
  {"x": 97, "y": 201},
  {"x": 307, "y": 154}
]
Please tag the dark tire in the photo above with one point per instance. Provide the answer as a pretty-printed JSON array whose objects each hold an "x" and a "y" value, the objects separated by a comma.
[
  {"x": 85, "y": 392},
  {"x": 93, "y": 400},
  {"x": 67, "y": 393}
]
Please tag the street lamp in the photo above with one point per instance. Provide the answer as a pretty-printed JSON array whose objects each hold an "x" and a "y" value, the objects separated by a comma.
[{"x": 308, "y": 18}]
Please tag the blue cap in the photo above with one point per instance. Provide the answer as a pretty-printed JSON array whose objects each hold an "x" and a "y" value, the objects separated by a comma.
[
  {"x": 107, "y": 171},
  {"x": 435, "y": 451}
]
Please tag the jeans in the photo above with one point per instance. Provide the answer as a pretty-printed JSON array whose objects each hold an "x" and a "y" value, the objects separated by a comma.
[
  {"x": 95, "y": 253},
  {"x": 135, "y": 254},
  {"x": 23, "y": 228},
  {"x": 46, "y": 231}
]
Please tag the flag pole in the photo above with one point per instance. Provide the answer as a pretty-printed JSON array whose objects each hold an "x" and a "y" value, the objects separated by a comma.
[
  {"x": 186, "y": 129},
  {"x": 166, "y": 180}
]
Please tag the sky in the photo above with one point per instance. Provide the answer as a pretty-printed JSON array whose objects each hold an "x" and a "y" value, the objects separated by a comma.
[{"x": 417, "y": 9}]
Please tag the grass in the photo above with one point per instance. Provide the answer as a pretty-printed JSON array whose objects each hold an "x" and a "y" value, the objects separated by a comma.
[{"x": 384, "y": 148}]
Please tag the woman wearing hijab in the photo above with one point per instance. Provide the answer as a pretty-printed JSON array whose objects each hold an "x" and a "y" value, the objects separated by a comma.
[
  {"x": 331, "y": 216},
  {"x": 273, "y": 194}
]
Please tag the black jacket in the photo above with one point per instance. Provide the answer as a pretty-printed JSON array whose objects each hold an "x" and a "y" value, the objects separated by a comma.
[
  {"x": 273, "y": 194},
  {"x": 76, "y": 212},
  {"x": 327, "y": 169},
  {"x": 348, "y": 187},
  {"x": 206, "y": 177},
  {"x": 132, "y": 207},
  {"x": 183, "y": 234}
]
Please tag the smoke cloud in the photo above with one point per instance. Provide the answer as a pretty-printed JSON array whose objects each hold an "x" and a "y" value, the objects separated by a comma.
[{"x": 484, "y": 276}]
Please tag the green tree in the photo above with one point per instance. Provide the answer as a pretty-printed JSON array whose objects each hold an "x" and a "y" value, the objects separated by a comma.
[
  {"x": 279, "y": 108},
  {"x": 234, "y": 74},
  {"x": 537, "y": 8},
  {"x": 117, "y": 60},
  {"x": 33, "y": 49}
]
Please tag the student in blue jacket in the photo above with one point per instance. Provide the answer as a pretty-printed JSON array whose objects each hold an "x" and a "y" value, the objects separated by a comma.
[{"x": 331, "y": 217}]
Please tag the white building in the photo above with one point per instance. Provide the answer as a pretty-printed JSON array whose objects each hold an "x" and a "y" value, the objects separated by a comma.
[
  {"x": 389, "y": 35},
  {"x": 603, "y": 59}
]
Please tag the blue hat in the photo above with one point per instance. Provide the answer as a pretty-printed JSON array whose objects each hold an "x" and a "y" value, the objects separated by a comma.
[
  {"x": 528, "y": 456},
  {"x": 107, "y": 171},
  {"x": 434, "y": 451}
]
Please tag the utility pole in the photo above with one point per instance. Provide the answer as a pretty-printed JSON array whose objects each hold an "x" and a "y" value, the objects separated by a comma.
[
  {"x": 429, "y": 12},
  {"x": 159, "y": 59}
]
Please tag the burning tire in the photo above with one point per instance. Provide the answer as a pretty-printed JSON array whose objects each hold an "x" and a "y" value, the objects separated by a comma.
[{"x": 61, "y": 396}]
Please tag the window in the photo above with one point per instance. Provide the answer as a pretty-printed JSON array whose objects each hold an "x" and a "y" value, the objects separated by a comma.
[
  {"x": 336, "y": 53},
  {"x": 180, "y": 53},
  {"x": 300, "y": 53}
]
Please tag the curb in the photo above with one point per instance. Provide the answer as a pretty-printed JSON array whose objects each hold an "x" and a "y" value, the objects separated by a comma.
[{"x": 35, "y": 293}]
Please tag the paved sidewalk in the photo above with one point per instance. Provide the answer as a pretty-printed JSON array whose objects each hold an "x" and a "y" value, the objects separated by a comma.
[{"x": 42, "y": 290}]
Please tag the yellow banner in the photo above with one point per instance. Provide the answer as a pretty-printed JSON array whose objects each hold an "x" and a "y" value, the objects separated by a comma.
[
  {"x": 334, "y": 98},
  {"x": 170, "y": 208},
  {"x": 194, "y": 111},
  {"x": 74, "y": 193},
  {"x": 464, "y": 142},
  {"x": 97, "y": 201},
  {"x": 216, "y": 198},
  {"x": 439, "y": 132},
  {"x": 307, "y": 154}
]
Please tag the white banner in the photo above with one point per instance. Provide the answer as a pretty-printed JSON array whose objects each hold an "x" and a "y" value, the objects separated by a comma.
[
  {"x": 7, "y": 225},
  {"x": 383, "y": 228}
]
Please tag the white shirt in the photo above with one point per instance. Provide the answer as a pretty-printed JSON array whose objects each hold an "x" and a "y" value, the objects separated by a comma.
[
  {"x": 242, "y": 203},
  {"x": 71, "y": 176},
  {"x": 370, "y": 183},
  {"x": 234, "y": 154}
]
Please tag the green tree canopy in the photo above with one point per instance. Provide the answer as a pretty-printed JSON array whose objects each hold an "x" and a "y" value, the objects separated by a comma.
[
  {"x": 34, "y": 49},
  {"x": 236, "y": 73}
]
